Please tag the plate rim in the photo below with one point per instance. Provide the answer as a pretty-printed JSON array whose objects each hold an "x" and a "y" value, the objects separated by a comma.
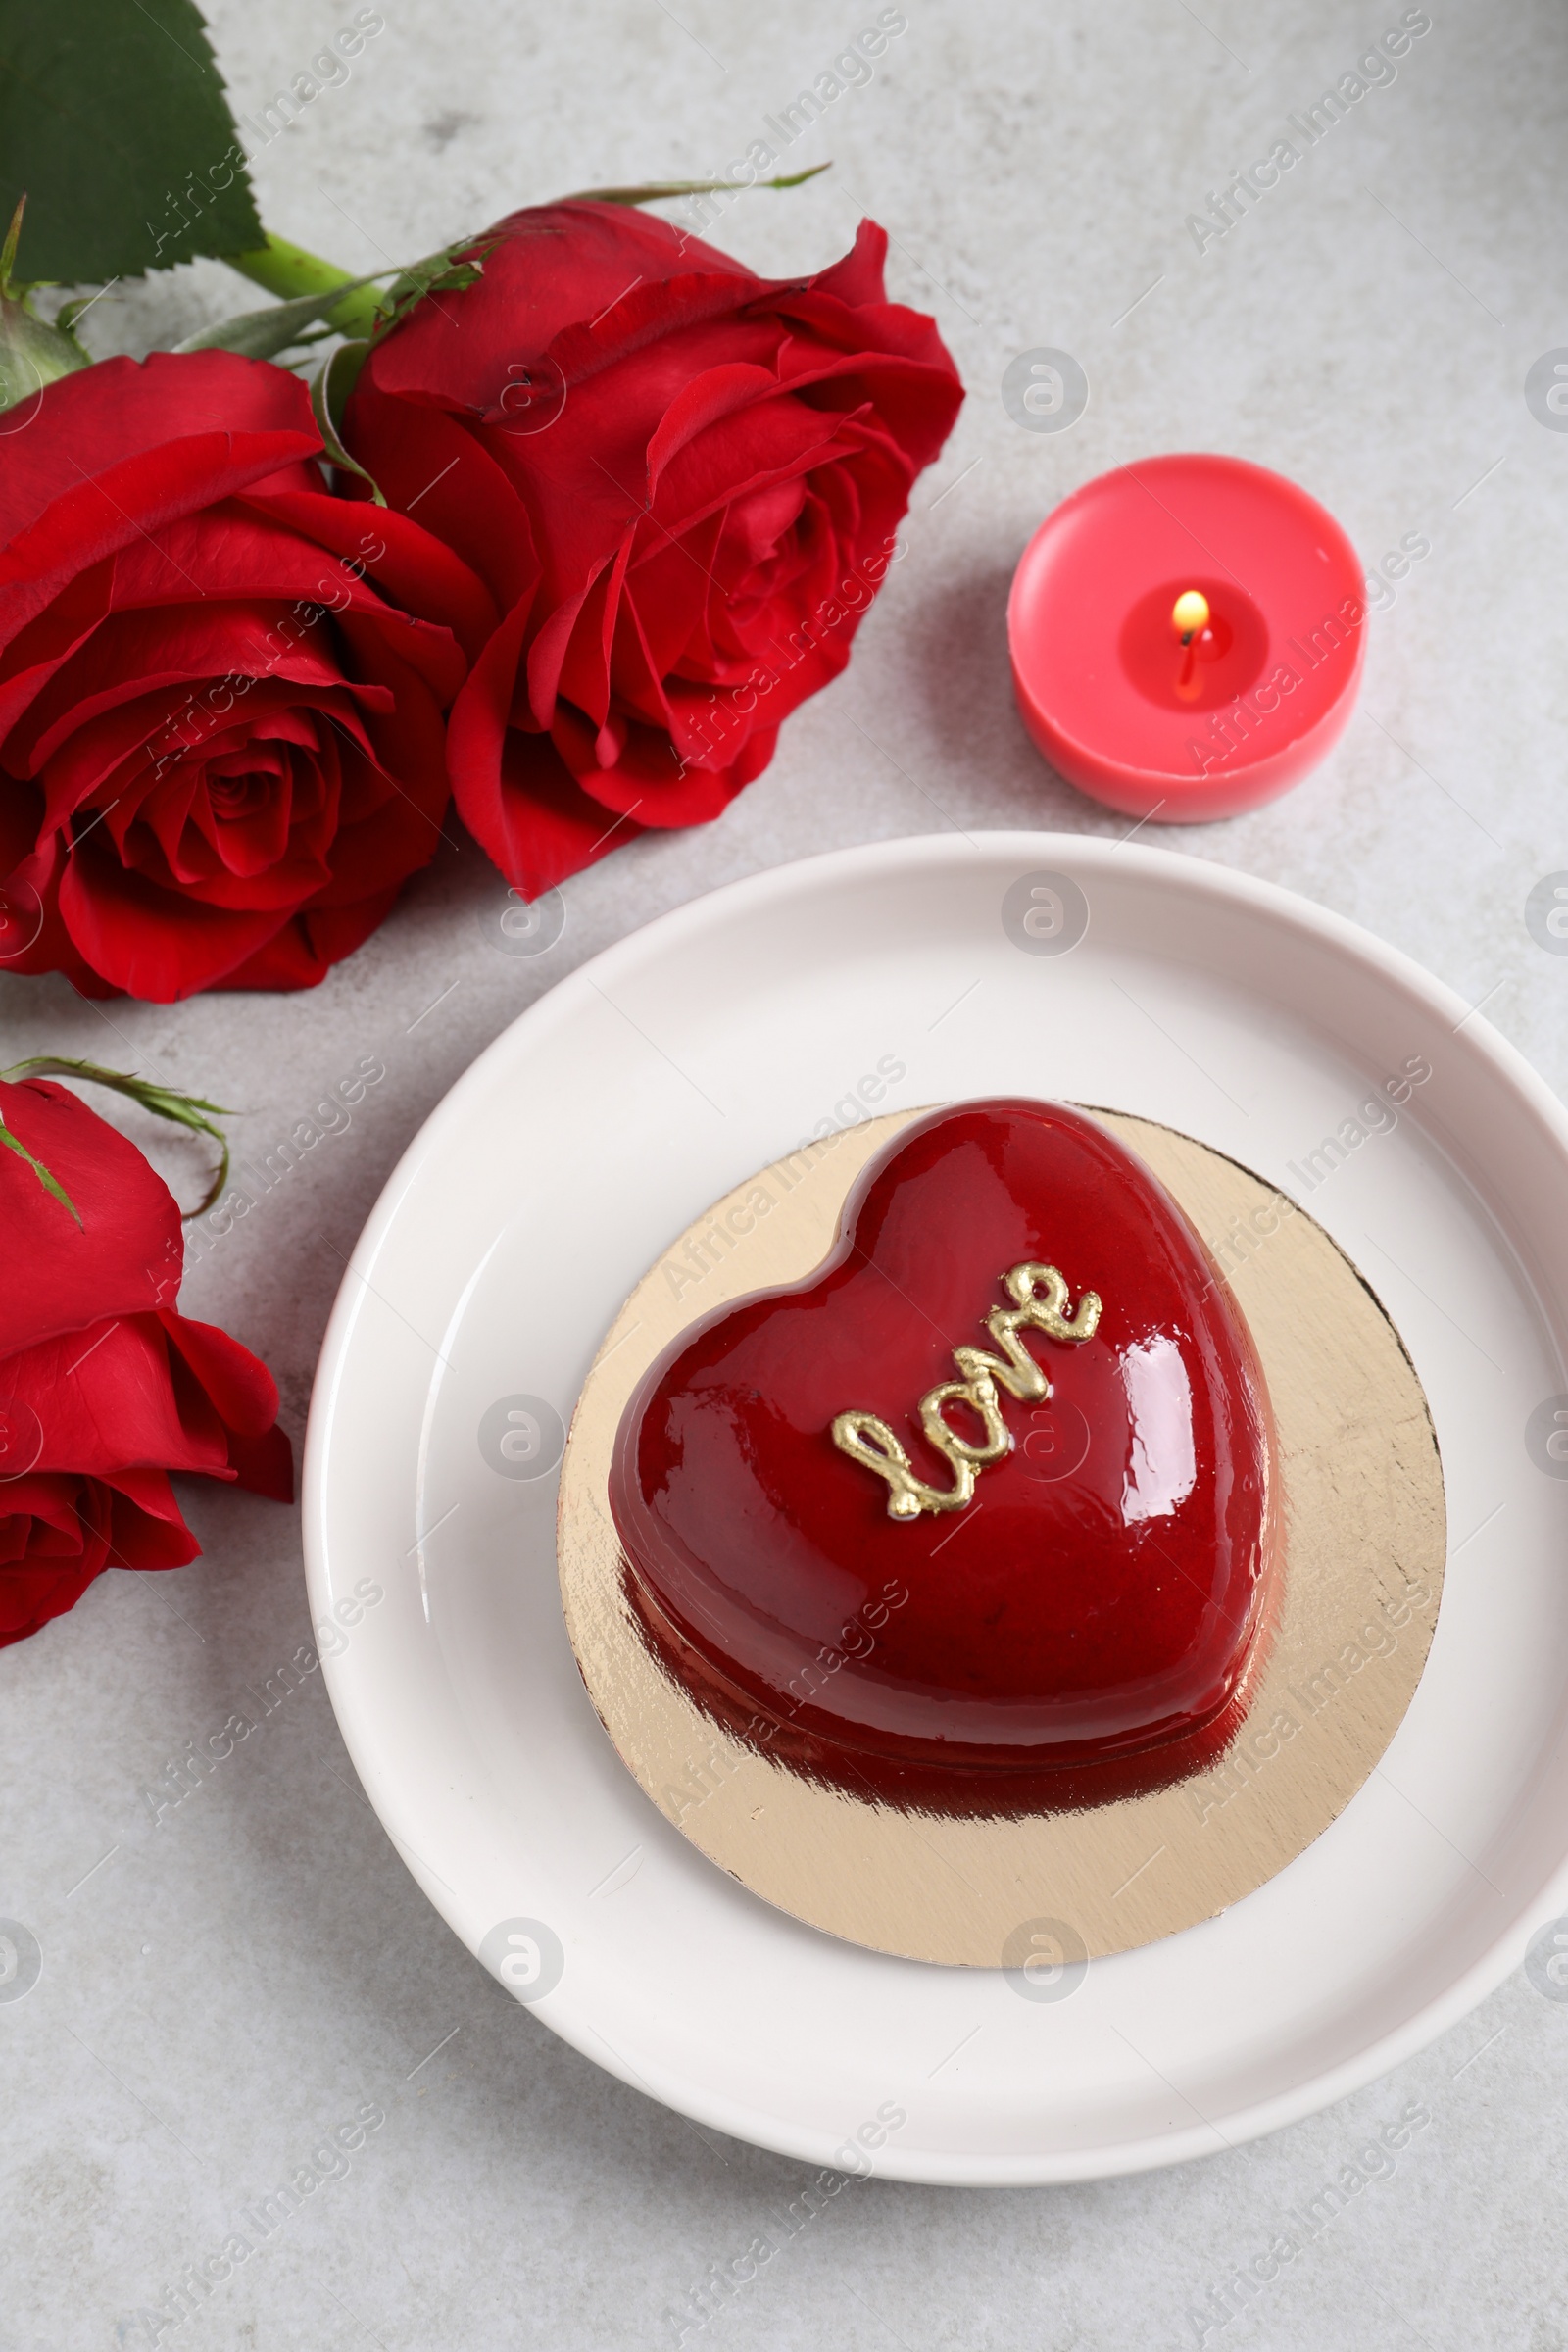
[{"x": 884, "y": 861}]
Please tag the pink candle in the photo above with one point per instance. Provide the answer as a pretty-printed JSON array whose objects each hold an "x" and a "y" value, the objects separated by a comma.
[{"x": 1186, "y": 636}]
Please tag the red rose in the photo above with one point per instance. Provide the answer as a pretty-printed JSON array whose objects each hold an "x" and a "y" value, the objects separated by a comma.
[
  {"x": 220, "y": 688},
  {"x": 681, "y": 484},
  {"x": 104, "y": 1389}
]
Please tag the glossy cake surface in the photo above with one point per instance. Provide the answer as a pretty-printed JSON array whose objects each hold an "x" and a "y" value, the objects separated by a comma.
[{"x": 987, "y": 1502}]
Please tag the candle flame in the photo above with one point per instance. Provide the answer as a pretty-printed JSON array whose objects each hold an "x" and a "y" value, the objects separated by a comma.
[{"x": 1190, "y": 614}]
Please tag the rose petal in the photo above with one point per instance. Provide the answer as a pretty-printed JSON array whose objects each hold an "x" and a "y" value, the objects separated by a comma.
[{"x": 125, "y": 1256}]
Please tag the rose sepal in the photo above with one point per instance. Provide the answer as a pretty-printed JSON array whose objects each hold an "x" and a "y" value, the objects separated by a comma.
[
  {"x": 163, "y": 1102},
  {"x": 33, "y": 353}
]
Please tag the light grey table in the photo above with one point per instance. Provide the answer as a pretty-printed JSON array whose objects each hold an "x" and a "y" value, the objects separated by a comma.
[{"x": 223, "y": 1990}]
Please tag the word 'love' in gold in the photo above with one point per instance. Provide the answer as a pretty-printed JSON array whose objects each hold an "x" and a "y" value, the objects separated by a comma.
[{"x": 1039, "y": 1296}]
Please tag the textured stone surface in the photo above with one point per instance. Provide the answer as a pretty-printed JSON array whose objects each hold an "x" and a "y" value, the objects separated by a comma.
[{"x": 220, "y": 1994}]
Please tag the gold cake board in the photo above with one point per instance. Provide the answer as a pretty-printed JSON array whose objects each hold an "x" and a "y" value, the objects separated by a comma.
[{"x": 1365, "y": 1545}]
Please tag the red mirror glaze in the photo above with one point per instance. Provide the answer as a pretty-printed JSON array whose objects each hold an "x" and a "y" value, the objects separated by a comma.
[{"x": 1089, "y": 1623}]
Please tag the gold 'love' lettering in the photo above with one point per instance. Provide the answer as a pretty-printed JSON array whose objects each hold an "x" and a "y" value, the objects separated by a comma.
[{"x": 1039, "y": 1296}]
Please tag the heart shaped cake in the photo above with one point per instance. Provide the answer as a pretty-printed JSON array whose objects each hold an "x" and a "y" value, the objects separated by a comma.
[{"x": 982, "y": 1515}]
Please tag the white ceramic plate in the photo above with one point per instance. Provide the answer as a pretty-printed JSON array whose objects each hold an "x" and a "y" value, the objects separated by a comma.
[{"x": 644, "y": 1086}]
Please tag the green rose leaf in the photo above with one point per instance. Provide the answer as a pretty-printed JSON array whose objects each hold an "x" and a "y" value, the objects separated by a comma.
[{"x": 115, "y": 124}]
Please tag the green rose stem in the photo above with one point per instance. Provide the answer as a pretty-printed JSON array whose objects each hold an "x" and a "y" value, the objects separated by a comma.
[
  {"x": 289, "y": 270},
  {"x": 163, "y": 1102}
]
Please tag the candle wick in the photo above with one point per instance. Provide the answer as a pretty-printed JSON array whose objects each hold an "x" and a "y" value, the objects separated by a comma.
[{"x": 1190, "y": 618}]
